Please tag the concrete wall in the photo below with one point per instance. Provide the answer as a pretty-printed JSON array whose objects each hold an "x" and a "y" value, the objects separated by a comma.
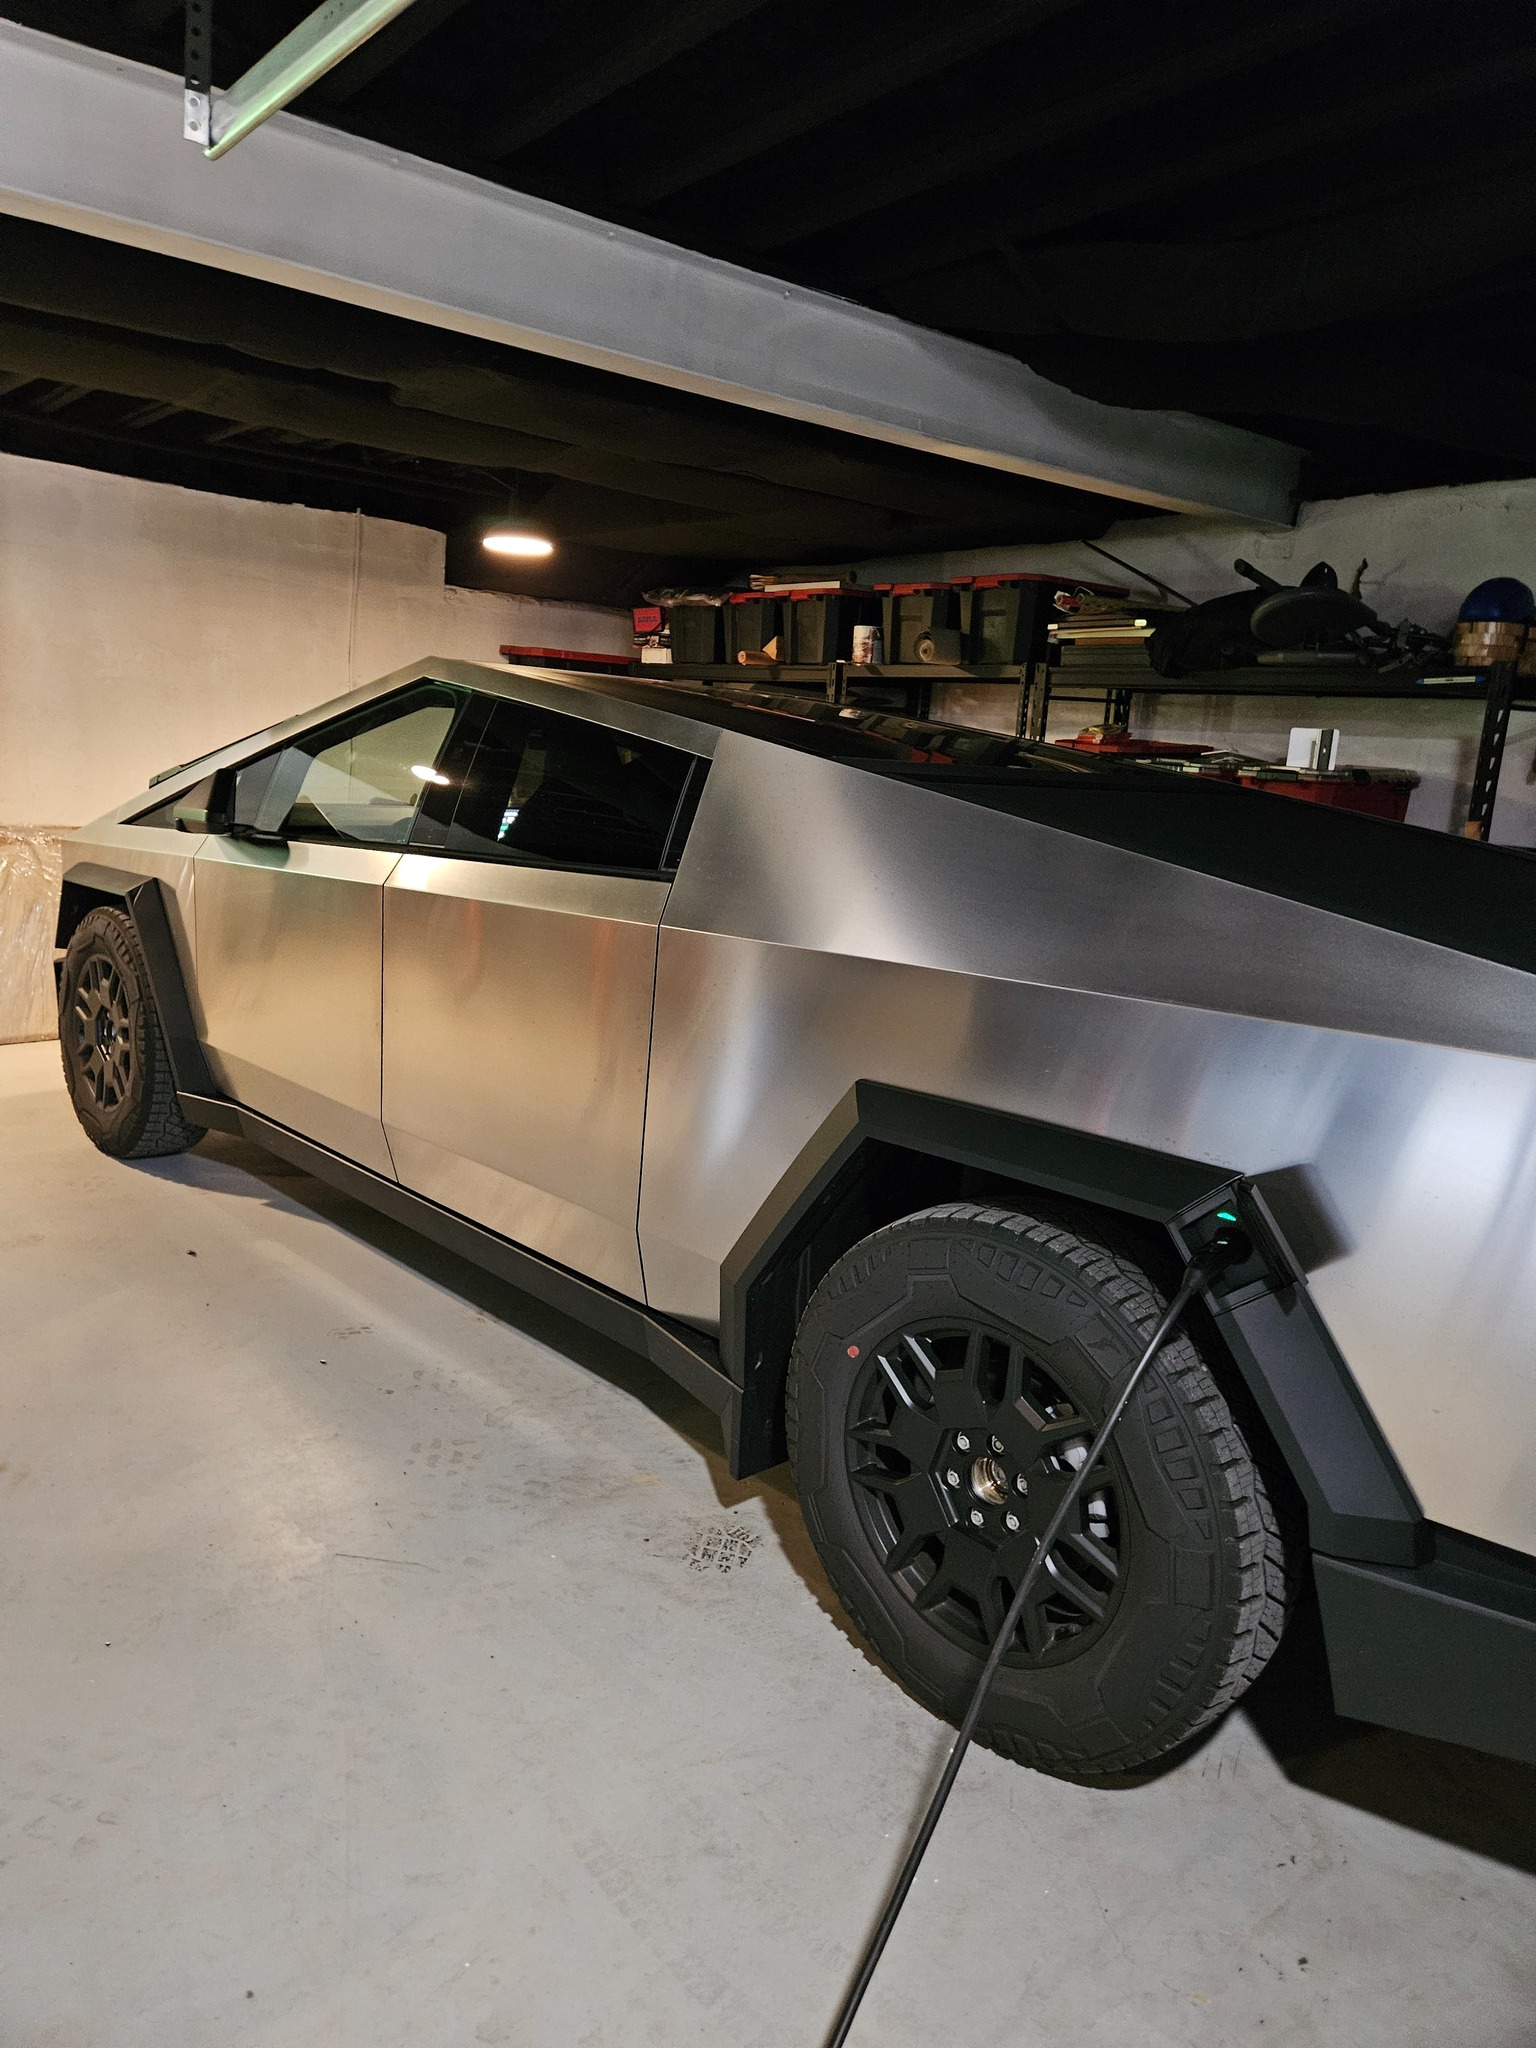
[
  {"x": 1424, "y": 550},
  {"x": 142, "y": 624}
]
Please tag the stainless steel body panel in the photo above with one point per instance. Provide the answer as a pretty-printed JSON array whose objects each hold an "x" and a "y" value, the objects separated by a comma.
[
  {"x": 828, "y": 926},
  {"x": 517, "y": 1016},
  {"x": 289, "y": 957},
  {"x": 149, "y": 851},
  {"x": 823, "y": 856}
]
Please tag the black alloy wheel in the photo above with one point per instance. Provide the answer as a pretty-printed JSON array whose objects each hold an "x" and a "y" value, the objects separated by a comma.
[
  {"x": 115, "y": 1061},
  {"x": 947, "y": 1377},
  {"x": 100, "y": 1027},
  {"x": 960, "y": 1446}
]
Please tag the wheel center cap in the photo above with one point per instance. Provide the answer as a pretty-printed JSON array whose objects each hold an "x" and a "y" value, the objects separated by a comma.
[{"x": 989, "y": 1481}]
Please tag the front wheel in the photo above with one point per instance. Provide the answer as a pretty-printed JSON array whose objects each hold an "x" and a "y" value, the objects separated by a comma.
[
  {"x": 947, "y": 1377},
  {"x": 115, "y": 1061}
]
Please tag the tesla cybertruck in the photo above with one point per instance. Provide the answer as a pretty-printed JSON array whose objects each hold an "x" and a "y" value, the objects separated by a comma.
[{"x": 879, "y": 1080}]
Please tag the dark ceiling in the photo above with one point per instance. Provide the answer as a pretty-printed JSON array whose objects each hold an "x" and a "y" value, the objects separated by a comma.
[
  {"x": 122, "y": 360},
  {"x": 1316, "y": 218}
]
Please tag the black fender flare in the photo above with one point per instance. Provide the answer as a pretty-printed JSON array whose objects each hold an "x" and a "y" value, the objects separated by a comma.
[
  {"x": 142, "y": 898},
  {"x": 1358, "y": 1503}
]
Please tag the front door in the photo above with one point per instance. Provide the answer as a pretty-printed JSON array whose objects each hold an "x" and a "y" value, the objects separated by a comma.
[
  {"x": 519, "y": 971},
  {"x": 289, "y": 911}
]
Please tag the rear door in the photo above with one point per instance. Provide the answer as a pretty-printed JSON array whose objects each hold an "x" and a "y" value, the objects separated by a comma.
[
  {"x": 289, "y": 910},
  {"x": 519, "y": 973}
]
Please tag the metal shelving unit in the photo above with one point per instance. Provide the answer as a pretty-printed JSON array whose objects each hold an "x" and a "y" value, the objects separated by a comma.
[
  {"x": 1115, "y": 686},
  {"x": 840, "y": 681},
  {"x": 1500, "y": 690}
]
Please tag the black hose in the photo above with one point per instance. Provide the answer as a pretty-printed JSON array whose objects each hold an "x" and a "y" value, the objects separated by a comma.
[{"x": 1227, "y": 1246}]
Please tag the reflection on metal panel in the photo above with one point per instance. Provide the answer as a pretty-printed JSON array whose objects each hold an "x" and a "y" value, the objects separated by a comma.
[
  {"x": 803, "y": 852},
  {"x": 147, "y": 851},
  {"x": 288, "y": 962},
  {"x": 517, "y": 1012},
  {"x": 828, "y": 927}
]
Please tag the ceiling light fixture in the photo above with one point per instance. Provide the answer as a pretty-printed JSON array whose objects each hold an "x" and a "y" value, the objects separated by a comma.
[{"x": 516, "y": 540}]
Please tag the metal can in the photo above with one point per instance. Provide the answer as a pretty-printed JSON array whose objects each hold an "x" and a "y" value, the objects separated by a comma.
[{"x": 867, "y": 649}]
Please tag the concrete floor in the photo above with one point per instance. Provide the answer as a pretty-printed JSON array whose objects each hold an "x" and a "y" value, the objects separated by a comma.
[{"x": 390, "y": 1665}]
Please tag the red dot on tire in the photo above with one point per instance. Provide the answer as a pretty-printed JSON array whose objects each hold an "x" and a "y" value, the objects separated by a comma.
[{"x": 853, "y": 1350}]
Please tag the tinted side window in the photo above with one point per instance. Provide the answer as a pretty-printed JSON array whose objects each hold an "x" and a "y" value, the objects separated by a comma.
[
  {"x": 561, "y": 792},
  {"x": 357, "y": 782}
]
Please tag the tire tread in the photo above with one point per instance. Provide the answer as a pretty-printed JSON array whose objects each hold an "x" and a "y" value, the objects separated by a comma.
[
  {"x": 162, "y": 1129},
  {"x": 1266, "y": 1569}
]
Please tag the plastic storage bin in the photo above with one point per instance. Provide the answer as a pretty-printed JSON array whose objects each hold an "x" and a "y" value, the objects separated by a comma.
[
  {"x": 750, "y": 623},
  {"x": 1378, "y": 792},
  {"x": 818, "y": 626},
  {"x": 1003, "y": 620},
  {"x": 697, "y": 638},
  {"x": 919, "y": 611}
]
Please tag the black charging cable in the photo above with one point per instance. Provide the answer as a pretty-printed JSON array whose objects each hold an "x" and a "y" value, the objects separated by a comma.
[{"x": 1230, "y": 1246}]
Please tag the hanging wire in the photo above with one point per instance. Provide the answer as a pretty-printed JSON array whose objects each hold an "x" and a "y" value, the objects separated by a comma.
[
  {"x": 1227, "y": 1246},
  {"x": 1145, "y": 574}
]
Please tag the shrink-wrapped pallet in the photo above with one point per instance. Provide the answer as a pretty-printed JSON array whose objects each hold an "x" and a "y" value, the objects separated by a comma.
[{"x": 31, "y": 862}]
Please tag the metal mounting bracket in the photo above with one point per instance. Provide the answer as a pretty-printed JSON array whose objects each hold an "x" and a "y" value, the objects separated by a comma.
[
  {"x": 197, "y": 68},
  {"x": 1490, "y": 750},
  {"x": 321, "y": 41}
]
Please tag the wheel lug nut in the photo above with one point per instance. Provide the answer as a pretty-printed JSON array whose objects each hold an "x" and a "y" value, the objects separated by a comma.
[
  {"x": 962, "y": 1443},
  {"x": 952, "y": 1477},
  {"x": 1022, "y": 1483},
  {"x": 1012, "y": 1522},
  {"x": 997, "y": 1445},
  {"x": 977, "y": 1517}
]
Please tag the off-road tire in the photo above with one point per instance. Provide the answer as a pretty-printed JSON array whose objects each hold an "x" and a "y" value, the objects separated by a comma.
[
  {"x": 115, "y": 1061},
  {"x": 1204, "y": 1571}
]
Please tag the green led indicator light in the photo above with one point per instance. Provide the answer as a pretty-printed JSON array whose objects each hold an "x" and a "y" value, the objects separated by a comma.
[{"x": 1225, "y": 1216}]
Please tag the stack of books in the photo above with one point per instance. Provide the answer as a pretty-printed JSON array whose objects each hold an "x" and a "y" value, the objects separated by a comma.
[{"x": 1103, "y": 632}]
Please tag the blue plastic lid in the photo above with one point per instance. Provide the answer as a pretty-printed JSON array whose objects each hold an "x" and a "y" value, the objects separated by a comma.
[{"x": 1501, "y": 597}]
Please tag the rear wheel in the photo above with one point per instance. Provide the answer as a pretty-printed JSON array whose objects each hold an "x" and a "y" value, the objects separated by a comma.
[
  {"x": 947, "y": 1377},
  {"x": 115, "y": 1060}
]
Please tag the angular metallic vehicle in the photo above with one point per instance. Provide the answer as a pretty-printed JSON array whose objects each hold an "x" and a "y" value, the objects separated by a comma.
[{"x": 878, "y": 1079}]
